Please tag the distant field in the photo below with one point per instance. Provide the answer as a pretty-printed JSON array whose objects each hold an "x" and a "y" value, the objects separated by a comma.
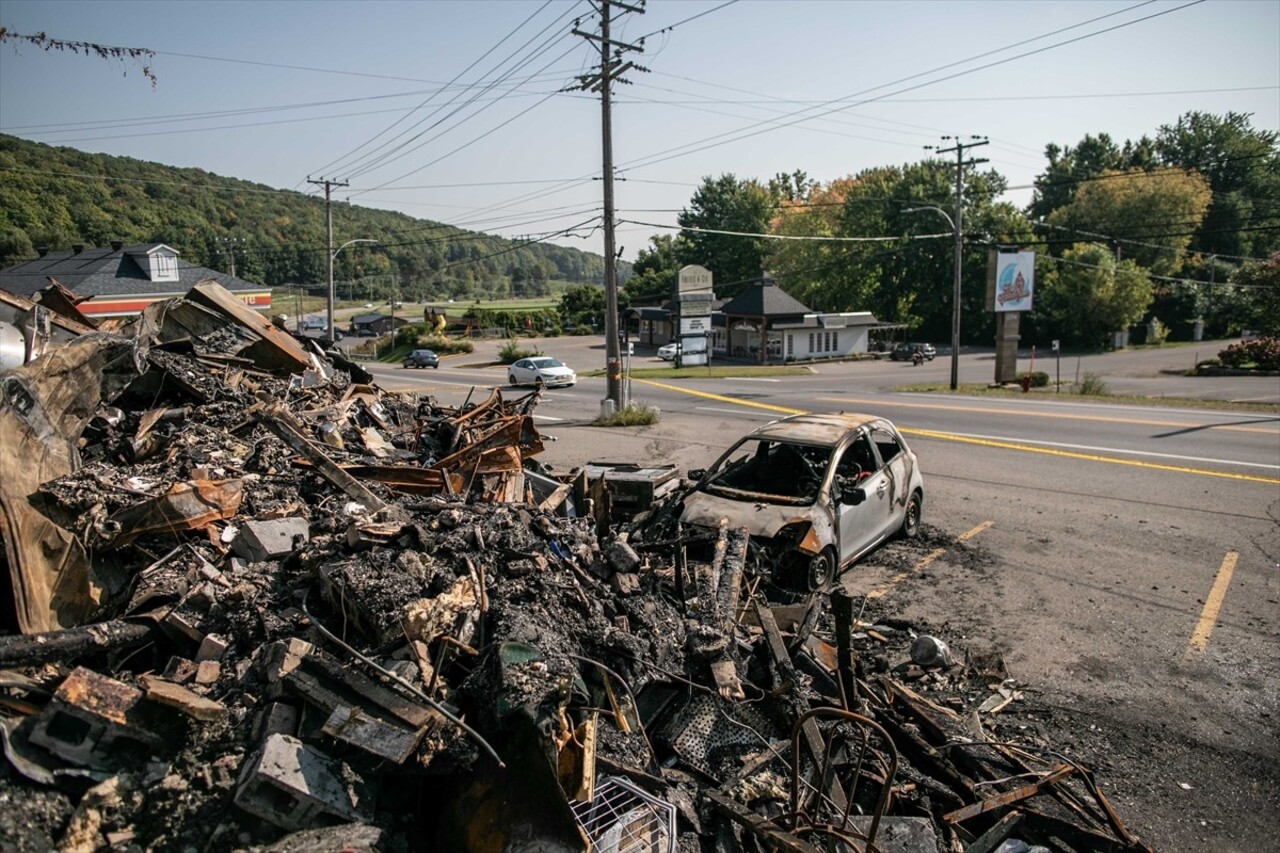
[{"x": 282, "y": 301}]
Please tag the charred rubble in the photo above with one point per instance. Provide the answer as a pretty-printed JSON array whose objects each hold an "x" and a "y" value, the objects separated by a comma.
[{"x": 256, "y": 602}]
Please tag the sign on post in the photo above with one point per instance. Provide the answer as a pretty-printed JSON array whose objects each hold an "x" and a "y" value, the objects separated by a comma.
[
  {"x": 693, "y": 299},
  {"x": 1015, "y": 281}
]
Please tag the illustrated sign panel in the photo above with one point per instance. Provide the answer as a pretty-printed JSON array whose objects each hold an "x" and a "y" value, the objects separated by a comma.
[{"x": 1015, "y": 281}]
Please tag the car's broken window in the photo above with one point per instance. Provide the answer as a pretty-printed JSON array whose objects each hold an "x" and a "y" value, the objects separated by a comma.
[
  {"x": 887, "y": 443},
  {"x": 770, "y": 469}
]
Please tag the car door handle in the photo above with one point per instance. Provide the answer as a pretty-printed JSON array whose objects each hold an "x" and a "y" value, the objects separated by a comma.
[{"x": 880, "y": 489}]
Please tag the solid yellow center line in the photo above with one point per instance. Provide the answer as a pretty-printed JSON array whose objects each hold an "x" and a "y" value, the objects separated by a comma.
[
  {"x": 1067, "y": 416},
  {"x": 721, "y": 398},
  {"x": 1209, "y": 615},
  {"x": 1091, "y": 457},
  {"x": 924, "y": 562},
  {"x": 985, "y": 442}
]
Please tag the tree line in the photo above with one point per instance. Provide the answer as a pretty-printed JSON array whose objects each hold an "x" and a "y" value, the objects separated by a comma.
[
  {"x": 1161, "y": 233},
  {"x": 55, "y": 197}
]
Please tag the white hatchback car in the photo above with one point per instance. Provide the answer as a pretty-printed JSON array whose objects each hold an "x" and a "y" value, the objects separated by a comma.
[
  {"x": 668, "y": 352},
  {"x": 541, "y": 370},
  {"x": 815, "y": 492}
]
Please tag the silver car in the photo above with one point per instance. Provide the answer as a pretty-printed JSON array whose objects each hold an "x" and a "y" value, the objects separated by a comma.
[
  {"x": 816, "y": 493},
  {"x": 542, "y": 371}
]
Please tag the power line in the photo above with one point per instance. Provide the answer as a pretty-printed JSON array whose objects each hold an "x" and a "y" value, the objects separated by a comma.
[
  {"x": 816, "y": 239},
  {"x": 455, "y": 79},
  {"x": 718, "y": 139}
]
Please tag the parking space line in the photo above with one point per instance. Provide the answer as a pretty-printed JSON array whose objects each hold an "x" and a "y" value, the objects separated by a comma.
[
  {"x": 924, "y": 562},
  {"x": 709, "y": 396},
  {"x": 1212, "y": 604}
]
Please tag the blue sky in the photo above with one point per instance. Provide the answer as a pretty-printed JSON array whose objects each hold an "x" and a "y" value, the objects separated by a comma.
[{"x": 523, "y": 164}]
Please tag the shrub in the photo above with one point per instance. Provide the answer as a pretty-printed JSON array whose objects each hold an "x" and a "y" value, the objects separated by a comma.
[
  {"x": 1262, "y": 353},
  {"x": 1093, "y": 385},
  {"x": 445, "y": 346},
  {"x": 1039, "y": 378},
  {"x": 582, "y": 329},
  {"x": 633, "y": 415},
  {"x": 511, "y": 352}
]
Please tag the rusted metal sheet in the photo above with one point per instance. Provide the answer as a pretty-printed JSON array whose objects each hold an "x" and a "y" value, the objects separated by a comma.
[
  {"x": 185, "y": 506},
  {"x": 44, "y": 407}
]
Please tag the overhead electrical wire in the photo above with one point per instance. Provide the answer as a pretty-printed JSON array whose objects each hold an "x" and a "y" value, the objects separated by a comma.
[
  {"x": 343, "y": 158},
  {"x": 390, "y": 153},
  {"x": 746, "y": 132}
]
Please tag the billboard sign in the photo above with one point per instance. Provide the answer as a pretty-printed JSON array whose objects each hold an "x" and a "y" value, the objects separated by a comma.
[
  {"x": 690, "y": 326},
  {"x": 1015, "y": 281}
]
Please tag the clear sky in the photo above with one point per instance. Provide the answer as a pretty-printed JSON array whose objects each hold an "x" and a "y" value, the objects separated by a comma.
[{"x": 275, "y": 91}]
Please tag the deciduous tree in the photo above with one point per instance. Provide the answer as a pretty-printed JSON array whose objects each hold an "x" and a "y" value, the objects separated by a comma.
[{"x": 1087, "y": 294}]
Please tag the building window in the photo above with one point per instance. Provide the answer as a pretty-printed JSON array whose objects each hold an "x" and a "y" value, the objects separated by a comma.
[
  {"x": 835, "y": 342},
  {"x": 791, "y": 350},
  {"x": 811, "y": 349},
  {"x": 164, "y": 267}
]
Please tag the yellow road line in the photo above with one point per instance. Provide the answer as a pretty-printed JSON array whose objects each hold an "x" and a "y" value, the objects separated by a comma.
[
  {"x": 1091, "y": 457},
  {"x": 985, "y": 442},
  {"x": 1055, "y": 415},
  {"x": 709, "y": 396},
  {"x": 1212, "y": 604},
  {"x": 924, "y": 562}
]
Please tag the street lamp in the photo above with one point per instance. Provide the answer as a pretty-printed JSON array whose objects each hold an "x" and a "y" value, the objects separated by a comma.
[
  {"x": 332, "y": 257},
  {"x": 955, "y": 294}
]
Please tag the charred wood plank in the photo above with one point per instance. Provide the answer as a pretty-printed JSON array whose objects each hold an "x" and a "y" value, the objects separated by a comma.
[
  {"x": 71, "y": 643},
  {"x": 830, "y": 786},
  {"x": 773, "y": 836}
]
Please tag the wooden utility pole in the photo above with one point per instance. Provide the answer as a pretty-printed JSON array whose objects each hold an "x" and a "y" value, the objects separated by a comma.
[
  {"x": 328, "y": 218},
  {"x": 959, "y": 149},
  {"x": 611, "y": 69}
]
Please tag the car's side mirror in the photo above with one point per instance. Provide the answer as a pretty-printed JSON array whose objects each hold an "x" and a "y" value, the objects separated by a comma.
[
  {"x": 696, "y": 474},
  {"x": 853, "y": 497}
]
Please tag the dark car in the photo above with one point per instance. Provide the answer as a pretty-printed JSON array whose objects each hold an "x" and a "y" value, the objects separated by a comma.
[
  {"x": 903, "y": 351},
  {"x": 422, "y": 358}
]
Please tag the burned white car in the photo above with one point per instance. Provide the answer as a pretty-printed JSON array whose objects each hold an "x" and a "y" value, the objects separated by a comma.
[{"x": 816, "y": 493}]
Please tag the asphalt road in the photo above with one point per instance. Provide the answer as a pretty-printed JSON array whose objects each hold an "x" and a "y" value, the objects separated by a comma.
[{"x": 1124, "y": 559}]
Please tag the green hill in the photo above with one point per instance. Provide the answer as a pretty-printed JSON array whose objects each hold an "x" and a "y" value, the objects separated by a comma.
[{"x": 52, "y": 197}]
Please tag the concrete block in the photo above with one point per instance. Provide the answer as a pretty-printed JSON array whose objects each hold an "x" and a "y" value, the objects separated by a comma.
[
  {"x": 212, "y": 647},
  {"x": 625, "y": 584},
  {"x": 622, "y": 557},
  {"x": 208, "y": 672},
  {"x": 95, "y": 721},
  {"x": 269, "y": 540},
  {"x": 176, "y": 696},
  {"x": 295, "y": 786},
  {"x": 275, "y": 718}
]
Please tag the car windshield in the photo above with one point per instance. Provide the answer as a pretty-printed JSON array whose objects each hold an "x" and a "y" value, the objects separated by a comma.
[
  {"x": 542, "y": 363},
  {"x": 770, "y": 470}
]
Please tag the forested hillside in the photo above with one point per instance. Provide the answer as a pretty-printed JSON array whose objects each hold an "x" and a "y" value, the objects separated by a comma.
[{"x": 54, "y": 197}]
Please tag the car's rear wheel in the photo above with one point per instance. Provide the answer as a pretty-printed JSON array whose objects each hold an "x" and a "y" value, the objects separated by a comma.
[
  {"x": 821, "y": 570},
  {"x": 511, "y": 379},
  {"x": 911, "y": 519}
]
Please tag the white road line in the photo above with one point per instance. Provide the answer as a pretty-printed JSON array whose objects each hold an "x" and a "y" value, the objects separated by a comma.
[
  {"x": 1119, "y": 451},
  {"x": 750, "y": 379},
  {"x": 547, "y": 418},
  {"x": 740, "y": 412}
]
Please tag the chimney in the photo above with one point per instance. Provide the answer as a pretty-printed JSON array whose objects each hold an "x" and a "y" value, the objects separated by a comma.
[
  {"x": 42, "y": 251},
  {"x": 117, "y": 245},
  {"x": 77, "y": 248}
]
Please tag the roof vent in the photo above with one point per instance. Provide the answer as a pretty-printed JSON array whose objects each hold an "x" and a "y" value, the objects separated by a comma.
[
  {"x": 117, "y": 245},
  {"x": 77, "y": 248}
]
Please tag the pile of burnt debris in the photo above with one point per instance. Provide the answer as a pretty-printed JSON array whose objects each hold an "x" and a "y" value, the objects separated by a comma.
[{"x": 257, "y": 602}]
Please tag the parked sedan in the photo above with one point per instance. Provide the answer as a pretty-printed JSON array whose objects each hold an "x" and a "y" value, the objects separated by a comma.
[
  {"x": 422, "y": 358},
  {"x": 816, "y": 493},
  {"x": 542, "y": 371},
  {"x": 668, "y": 352}
]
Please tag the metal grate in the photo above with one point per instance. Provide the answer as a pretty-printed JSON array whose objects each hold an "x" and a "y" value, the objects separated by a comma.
[
  {"x": 623, "y": 818},
  {"x": 712, "y": 736}
]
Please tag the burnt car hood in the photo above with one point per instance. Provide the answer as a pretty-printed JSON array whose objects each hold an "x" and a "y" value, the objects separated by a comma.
[{"x": 762, "y": 520}]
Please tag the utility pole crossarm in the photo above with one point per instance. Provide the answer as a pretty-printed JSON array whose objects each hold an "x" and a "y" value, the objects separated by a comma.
[{"x": 329, "y": 253}]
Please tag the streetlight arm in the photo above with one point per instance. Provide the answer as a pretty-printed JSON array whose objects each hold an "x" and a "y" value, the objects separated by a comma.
[
  {"x": 936, "y": 210},
  {"x": 333, "y": 257}
]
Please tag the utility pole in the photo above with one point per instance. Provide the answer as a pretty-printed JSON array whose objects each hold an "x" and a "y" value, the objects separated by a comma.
[
  {"x": 959, "y": 148},
  {"x": 611, "y": 69},
  {"x": 329, "y": 253}
]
